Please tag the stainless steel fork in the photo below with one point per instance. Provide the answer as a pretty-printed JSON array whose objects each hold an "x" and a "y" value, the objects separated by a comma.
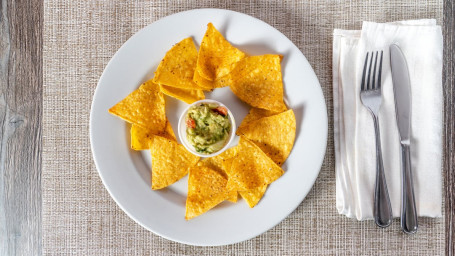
[{"x": 370, "y": 95}]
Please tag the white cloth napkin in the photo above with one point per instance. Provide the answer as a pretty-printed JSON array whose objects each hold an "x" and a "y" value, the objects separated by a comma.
[{"x": 421, "y": 43}]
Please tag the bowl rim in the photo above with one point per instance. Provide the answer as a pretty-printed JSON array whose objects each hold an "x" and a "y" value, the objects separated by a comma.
[{"x": 182, "y": 132}]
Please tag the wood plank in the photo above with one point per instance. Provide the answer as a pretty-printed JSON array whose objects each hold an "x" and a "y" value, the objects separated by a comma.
[
  {"x": 21, "y": 90},
  {"x": 449, "y": 119}
]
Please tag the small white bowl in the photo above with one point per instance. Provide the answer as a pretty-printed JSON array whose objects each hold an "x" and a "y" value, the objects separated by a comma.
[{"x": 182, "y": 129}]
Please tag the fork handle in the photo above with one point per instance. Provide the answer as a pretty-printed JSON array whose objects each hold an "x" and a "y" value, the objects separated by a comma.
[
  {"x": 408, "y": 207},
  {"x": 382, "y": 208}
]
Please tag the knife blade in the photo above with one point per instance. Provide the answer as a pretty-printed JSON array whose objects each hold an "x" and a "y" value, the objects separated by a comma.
[{"x": 402, "y": 94}]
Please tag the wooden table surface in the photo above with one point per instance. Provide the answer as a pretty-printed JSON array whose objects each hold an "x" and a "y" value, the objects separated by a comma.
[{"x": 21, "y": 108}]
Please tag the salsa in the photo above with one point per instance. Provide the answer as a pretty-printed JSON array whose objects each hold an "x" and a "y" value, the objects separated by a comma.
[{"x": 208, "y": 127}]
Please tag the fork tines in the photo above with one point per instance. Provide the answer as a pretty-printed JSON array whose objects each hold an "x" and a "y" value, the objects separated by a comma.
[{"x": 371, "y": 84}]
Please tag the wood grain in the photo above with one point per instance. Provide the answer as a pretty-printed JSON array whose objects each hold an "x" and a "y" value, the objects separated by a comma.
[
  {"x": 21, "y": 82},
  {"x": 449, "y": 121}
]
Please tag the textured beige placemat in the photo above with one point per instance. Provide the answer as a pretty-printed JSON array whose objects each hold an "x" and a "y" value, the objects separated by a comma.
[{"x": 79, "y": 216}]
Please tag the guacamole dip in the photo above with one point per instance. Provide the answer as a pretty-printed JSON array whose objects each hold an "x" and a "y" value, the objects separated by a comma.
[{"x": 208, "y": 127}]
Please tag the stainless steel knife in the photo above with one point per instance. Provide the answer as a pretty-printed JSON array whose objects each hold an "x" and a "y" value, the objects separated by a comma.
[{"x": 402, "y": 92}]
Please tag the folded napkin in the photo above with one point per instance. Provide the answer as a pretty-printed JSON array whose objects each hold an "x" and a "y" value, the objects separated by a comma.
[{"x": 355, "y": 151}]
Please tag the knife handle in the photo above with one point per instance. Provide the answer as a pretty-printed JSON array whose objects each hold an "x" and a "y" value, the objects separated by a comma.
[
  {"x": 408, "y": 221},
  {"x": 382, "y": 208}
]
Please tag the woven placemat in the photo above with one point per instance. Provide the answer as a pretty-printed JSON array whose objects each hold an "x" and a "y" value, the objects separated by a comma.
[{"x": 79, "y": 216}]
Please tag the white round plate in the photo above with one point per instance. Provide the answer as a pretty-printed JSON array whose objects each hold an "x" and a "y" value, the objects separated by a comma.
[{"x": 126, "y": 173}]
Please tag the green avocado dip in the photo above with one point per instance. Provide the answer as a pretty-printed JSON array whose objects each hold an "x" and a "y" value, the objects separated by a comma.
[{"x": 208, "y": 127}]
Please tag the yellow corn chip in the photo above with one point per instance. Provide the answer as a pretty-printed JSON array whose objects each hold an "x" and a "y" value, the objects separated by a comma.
[
  {"x": 217, "y": 163},
  {"x": 226, "y": 166},
  {"x": 253, "y": 196},
  {"x": 202, "y": 82},
  {"x": 233, "y": 196},
  {"x": 206, "y": 189},
  {"x": 257, "y": 81},
  {"x": 170, "y": 162},
  {"x": 253, "y": 115},
  {"x": 217, "y": 57},
  {"x": 141, "y": 138},
  {"x": 177, "y": 67},
  {"x": 143, "y": 107},
  {"x": 207, "y": 85},
  {"x": 251, "y": 168},
  {"x": 277, "y": 140},
  {"x": 168, "y": 132},
  {"x": 187, "y": 95}
]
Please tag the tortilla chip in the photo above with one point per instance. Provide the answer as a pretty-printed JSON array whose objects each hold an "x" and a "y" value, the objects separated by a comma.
[
  {"x": 214, "y": 165},
  {"x": 277, "y": 140},
  {"x": 170, "y": 162},
  {"x": 253, "y": 115},
  {"x": 206, "y": 189},
  {"x": 257, "y": 81},
  {"x": 202, "y": 82},
  {"x": 168, "y": 132},
  {"x": 217, "y": 57},
  {"x": 177, "y": 67},
  {"x": 253, "y": 196},
  {"x": 251, "y": 168},
  {"x": 217, "y": 163},
  {"x": 233, "y": 193},
  {"x": 207, "y": 85},
  {"x": 233, "y": 196},
  {"x": 144, "y": 107},
  {"x": 141, "y": 139},
  {"x": 187, "y": 95},
  {"x": 226, "y": 165}
]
